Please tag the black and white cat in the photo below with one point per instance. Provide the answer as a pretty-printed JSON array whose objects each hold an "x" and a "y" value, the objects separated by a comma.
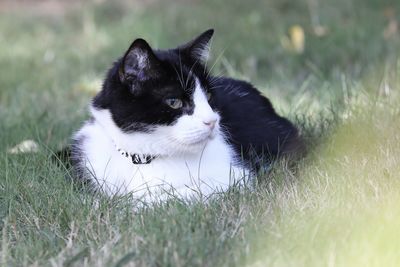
[{"x": 162, "y": 122}]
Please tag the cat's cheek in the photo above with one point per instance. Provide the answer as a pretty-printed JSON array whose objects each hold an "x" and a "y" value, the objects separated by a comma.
[
  {"x": 184, "y": 124},
  {"x": 188, "y": 131}
]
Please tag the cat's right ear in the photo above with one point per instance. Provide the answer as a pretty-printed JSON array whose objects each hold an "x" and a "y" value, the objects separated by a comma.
[
  {"x": 198, "y": 49},
  {"x": 139, "y": 63}
]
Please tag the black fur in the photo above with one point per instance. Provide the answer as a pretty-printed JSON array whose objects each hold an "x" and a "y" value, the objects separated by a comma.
[{"x": 257, "y": 133}]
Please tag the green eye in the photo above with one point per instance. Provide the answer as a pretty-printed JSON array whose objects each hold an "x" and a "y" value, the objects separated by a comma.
[
  {"x": 208, "y": 95},
  {"x": 174, "y": 103}
]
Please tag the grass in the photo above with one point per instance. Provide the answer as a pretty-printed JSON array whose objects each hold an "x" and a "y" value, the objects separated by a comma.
[{"x": 337, "y": 207}]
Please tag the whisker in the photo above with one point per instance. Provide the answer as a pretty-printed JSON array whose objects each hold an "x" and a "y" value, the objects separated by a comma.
[
  {"x": 179, "y": 76},
  {"x": 215, "y": 62}
]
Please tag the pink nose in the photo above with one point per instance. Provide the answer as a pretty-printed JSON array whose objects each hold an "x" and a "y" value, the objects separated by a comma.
[{"x": 210, "y": 123}]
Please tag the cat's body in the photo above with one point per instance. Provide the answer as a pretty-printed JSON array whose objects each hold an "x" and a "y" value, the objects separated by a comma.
[{"x": 162, "y": 122}]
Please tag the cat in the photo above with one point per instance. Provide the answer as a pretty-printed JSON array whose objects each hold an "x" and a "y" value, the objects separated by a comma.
[{"x": 163, "y": 126}]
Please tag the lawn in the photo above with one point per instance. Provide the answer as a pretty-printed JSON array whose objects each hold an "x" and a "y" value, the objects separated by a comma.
[{"x": 338, "y": 206}]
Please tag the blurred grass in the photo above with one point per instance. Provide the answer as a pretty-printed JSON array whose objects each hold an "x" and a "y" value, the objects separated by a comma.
[
  {"x": 338, "y": 207},
  {"x": 345, "y": 210}
]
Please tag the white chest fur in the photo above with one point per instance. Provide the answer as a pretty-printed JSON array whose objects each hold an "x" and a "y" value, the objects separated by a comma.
[
  {"x": 193, "y": 158},
  {"x": 186, "y": 175}
]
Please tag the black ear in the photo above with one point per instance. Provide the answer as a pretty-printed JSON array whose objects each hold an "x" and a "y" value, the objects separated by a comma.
[
  {"x": 198, "y": 49},
  {"x": 139, "y": 62}
]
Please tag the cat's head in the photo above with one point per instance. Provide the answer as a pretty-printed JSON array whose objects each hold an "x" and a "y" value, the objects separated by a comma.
[{"x": 163, "y": 95}]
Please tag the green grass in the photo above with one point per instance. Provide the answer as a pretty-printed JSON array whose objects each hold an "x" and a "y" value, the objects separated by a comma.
[{"x": 337, "y": 207}]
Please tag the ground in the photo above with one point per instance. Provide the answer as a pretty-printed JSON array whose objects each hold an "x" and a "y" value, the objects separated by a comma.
[{"x": 332, "y": 67}]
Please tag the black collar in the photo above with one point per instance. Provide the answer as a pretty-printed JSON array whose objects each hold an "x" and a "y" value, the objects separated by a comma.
[{"x": 138, "y": 158}]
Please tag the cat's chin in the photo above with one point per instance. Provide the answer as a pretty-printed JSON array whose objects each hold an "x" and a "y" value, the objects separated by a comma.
[
  {"x": 195, "y": 146},
  {"x": 203, "y": 142},
  {"x": 200, "y": 143}
]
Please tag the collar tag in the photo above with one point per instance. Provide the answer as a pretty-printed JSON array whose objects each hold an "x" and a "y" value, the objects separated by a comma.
[{"x": 137, "y": 158}]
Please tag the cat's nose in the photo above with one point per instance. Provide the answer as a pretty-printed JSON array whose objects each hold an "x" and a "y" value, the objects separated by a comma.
[{"x": 210, "y": 123}]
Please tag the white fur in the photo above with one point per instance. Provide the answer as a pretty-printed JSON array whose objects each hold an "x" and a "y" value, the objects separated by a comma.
[
  {"x": 193, "y": 158},
  {"x": 142, "y": 59},
  {"x": 202, "y": 53}
]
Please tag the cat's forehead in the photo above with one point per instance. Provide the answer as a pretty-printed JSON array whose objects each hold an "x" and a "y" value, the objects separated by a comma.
[
  {"x": 172, "y": 84},
  {"x": 178, "y": 76},
  {"x": 180, "y": 63}
]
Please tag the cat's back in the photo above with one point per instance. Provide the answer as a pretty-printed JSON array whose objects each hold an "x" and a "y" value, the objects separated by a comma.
[{"x": 254, "y": 129}]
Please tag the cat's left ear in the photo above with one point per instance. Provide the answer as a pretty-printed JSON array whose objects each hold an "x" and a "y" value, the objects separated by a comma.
[
  {"x": 139, "y": 62},
  {"x": 198, "y": 49}
]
